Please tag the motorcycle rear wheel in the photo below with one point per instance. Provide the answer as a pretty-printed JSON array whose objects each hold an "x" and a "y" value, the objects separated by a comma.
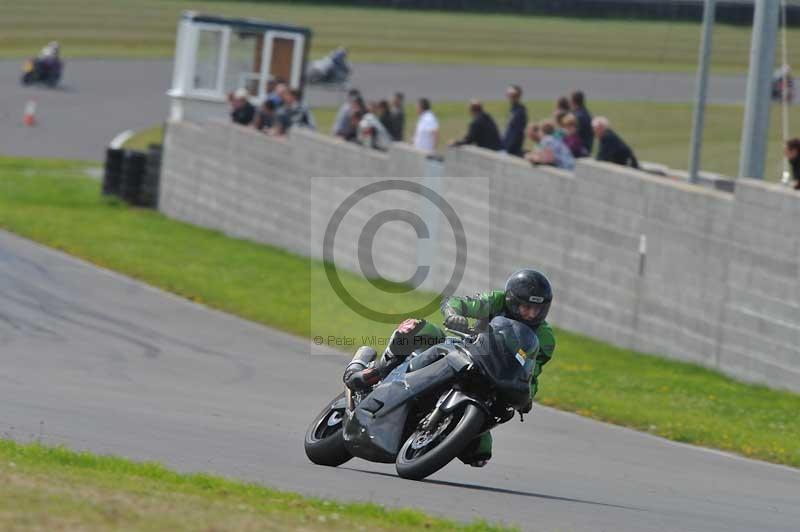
[
  {"x": 426, "y": 452},
  {"x": 324, "y": 442}
]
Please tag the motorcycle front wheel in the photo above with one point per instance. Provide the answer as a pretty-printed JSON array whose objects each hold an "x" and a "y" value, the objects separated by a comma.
[
  {"x": 324, "y": 442},
  {"x": 426, "y": 451}
]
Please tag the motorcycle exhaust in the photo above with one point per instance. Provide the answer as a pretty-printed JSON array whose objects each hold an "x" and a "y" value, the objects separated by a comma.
[{"x": 361, "y": 360}]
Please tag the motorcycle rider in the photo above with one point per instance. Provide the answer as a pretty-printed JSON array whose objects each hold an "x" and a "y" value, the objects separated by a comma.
[{"x": 526, "y": 298}]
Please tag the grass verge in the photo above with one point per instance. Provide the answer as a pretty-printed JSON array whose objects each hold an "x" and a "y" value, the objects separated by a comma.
[
  {"x": 141, "y": 139},
  {"x": 50, "y": 201},
  {"x": 146, "y": 28},
  {"x": 45, "y": 488}
]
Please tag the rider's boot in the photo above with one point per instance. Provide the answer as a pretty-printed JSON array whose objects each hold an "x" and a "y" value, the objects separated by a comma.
[
  {"x": 478, "y": 452},
  {"x": 358, "y": 374}
]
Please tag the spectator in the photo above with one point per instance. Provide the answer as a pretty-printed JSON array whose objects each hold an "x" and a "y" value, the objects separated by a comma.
[
  {"x": 426, "y": 135},
  {"x": 551, "y": 150},
  {"x": 372, "y": 133},
  {"x": 351, "y": 135},
  {"x": 514, "y": 136},
  {"x": 398, "y": 117},
  {"x": 792, "y": 153},
  {"x": 534, "y": 134},
  {"x": 611, "y": 147},
  {"x": 342, "y": 122},
  {"x": 293, "y": 113},
  {"x": 571, "y": 137},
  {"x": 271, "y": 94},
  {"x": 558, "y": 120},
  {"x": 384, "y": 115},
  {"x": 242, "y": 111},
  {"x": 265, "y": 118},
  {"x": 357, "y": 109},
  {"x": 482, "y": 130},
  {"x": 281, "y": 89},
  {"x": 562, "y": 106},
  {"x": 584, "y": 118}
]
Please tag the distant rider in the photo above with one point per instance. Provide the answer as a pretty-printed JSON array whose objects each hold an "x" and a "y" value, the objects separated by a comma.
[
  {"x": 526, "y": 298},
  {"x": 50, "y": 52}
]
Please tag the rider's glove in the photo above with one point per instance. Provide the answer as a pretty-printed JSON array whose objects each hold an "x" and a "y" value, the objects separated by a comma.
[
  {"x": 457, "y": 323},
  {"x": 527, "y": 408}
]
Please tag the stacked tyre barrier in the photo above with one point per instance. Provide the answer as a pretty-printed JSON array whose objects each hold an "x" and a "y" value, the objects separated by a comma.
[
  {"x": 133, "y": 166},
  {"x": 112, "y": 175},
  {"x": 148, "y": 196},
  {"x": 133, "y": 175}
]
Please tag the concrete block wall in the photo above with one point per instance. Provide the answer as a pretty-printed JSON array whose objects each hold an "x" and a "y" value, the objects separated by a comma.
[{"x": 718, "y": 284}]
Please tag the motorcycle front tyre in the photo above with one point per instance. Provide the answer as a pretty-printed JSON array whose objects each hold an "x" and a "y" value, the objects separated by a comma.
[{"x": 468, "y": 420}]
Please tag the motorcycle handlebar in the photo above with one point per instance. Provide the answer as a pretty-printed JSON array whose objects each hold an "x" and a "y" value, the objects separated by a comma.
[{"x": 462, "y": 334}]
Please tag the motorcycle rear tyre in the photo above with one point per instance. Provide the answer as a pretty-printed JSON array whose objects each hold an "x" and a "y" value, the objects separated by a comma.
[{"x": 466, "y": 429}]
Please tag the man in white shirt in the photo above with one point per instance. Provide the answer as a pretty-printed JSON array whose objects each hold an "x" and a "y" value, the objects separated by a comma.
[{"x": 426, "y": 136}]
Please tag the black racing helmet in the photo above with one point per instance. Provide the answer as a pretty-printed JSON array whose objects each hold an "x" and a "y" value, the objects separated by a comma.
[{"x": 528, "y": 288}]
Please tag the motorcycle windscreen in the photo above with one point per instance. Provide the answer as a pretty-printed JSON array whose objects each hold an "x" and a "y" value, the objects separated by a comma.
[
  {"x": 510, "y": 373},
  {"x": 375, "y": 431}
]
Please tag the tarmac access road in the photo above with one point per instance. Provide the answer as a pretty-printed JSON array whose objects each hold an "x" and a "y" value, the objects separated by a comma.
[{"x": 99, "y": 98}]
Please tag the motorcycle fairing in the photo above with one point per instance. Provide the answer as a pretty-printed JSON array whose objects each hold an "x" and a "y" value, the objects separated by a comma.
[{"x": 374, "y": 429}]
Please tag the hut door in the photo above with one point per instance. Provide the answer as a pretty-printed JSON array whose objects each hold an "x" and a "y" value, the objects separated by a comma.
[{"x": 284, "y": 57}]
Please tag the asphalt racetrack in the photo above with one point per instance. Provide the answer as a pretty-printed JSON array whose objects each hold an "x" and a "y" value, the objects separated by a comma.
[
  {"x": 93, "y": 360},
  {"x": 99, "y": 98}
]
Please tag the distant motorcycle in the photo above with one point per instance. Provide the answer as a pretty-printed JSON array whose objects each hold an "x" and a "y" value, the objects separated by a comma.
[
  {"x": 45, "y": 70},
  {"x": 781, "y": 77},
  {"x": 333, "y": 68},
  {"x": 430, "y": 407}
]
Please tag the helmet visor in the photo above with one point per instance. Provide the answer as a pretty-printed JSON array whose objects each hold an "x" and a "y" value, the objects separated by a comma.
[{"x": 530, "y": 311}]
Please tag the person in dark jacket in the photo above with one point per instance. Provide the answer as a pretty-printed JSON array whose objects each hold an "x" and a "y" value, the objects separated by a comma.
[
  {"x": 482, "y": 131},
  {"x": 398, "y": 118},
  {"x": 612, "y": 148},
  {"x": 792, "y": 153},
  {"x": 242, "y": 111},
  {"x": 584, "y": 118},
  {"x": 517, "y": 122}
]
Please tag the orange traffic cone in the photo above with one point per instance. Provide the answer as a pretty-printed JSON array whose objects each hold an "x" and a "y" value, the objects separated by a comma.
[{"x": 29, "y": 118}]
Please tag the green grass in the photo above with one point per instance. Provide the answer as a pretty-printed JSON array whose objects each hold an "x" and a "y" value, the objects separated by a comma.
[
  {"x": 45, "y": 488},
  {"x": 50, "y": 202},
  {"x": 146, "y": 28},
  {"x": 141, "y": 139}
]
